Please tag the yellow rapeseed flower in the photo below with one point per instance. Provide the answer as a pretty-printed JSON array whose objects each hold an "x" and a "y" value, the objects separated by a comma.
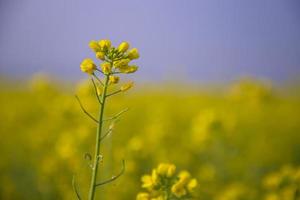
[
  {"x": 94, "y": 46},
  {"x": 88, "y": 66},
  {"x": 159, "y": 198},
  {"x": 147, "y": 181},
  {"x": 104, "y": 44},
  {"x": 106, "y": 67},
  {"x": 184, "y": 177},
  {"x": 165, "y": 169},
  {"x": 126, "y": 86},
  {"x": 100, "y": 55},
  {"x": 155, "y": 177},
  {"x": 114, "y": 79},
  {"x": 162, "y": 169},
  {"x": 178, "y": 190},
  {"x": 143, "y": 196},
  {"x": 133, "y": 54},
  {"x": 192, "y": 185},
  {"x": 123, "y": 47},
  {"x": 171, "y": 170}
]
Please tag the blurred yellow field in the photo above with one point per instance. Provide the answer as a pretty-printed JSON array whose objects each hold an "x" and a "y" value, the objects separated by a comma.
[{"x": 240, "y": 143}]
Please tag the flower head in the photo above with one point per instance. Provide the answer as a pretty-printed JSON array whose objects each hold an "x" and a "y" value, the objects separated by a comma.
[
  {"x": 143, "y": 196},
  {"x": 133, "y": 54},
  {"x": 178, "y": 190},
  {"x": 88, "y": 66},
  {"x": 104, "y": 44},
  {"x": 123, "y": 47},
  {"x": 100, "y": 55},
  {"x": 114, "y": 79},
  {"x": 94, "y": 46},
  {"x": 106, "y": 67},
  {"x": 192, "y": 185},
  {"x": 164, "y": 180}
]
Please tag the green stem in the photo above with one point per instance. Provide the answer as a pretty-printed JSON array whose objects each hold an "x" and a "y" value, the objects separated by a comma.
[{"x": 98, "y": 142}]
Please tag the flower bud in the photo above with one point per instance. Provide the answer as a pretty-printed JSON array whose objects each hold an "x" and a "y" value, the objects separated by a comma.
[
  {"x": 155, "y": 177},
  {"x": 128, "y": 69},
  {"x": 133, "y": 54},
  {"x": 104, "y": 44},
  {"x": 171, "y": 170},
  {"x": 162, "y": 169},
  {"x": 192, "y": 185},
  {"x": 143, "y": 196},
  {"x": 184, "y": 177},
  {"x": 178, "y": 190},
  {"x": 114, "y": 79},
  {"x": 106, "y": 67},
  {"x": 123, "y": 47},
  {"x": 120, "y": 63},
  {"x": 100, "y": 55},
  {"x": 94, "y": 46},
  {"x": 126, "y": 86},
  {"x": 88, "y": 66}
]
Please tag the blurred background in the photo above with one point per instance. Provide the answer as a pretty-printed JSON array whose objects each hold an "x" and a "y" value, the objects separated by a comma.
[{"x": 217, "y": 93}]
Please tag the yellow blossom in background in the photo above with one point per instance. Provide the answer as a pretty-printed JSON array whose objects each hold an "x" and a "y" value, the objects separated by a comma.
[
  {"x": 126, "y": 86},
  {"x": 178, "y": 190},
  {"x": 165, "y": 169},
  {"x": 154, "y": 177},
  {"x": 192, "y": 185},
  {"x": 88, "y": 66},
  {"x": 147, "y": 181},
  {"x": 123, "y": 47},
  {"x": 184, "y": 177},
  {"x": 143, "y": 196},
  {"x": 133, "y": 54},
  {"x": 164, "y": 184}
]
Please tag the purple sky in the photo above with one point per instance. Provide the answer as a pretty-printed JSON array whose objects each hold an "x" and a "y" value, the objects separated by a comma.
[{"x": 200, "y": 40}]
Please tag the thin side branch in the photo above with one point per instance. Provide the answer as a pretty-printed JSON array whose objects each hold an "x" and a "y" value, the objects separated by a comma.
[
  {"x": 106, "y": 134},
  {"x": 75, "y": 188},
  {"x": 116, "y": 92},
  {"x": 95, "y": 88},
  {"x": 98, "y": 79},
  {"x": 99, "y": 71},
  {"x": 84, "y": 110},
  {"x": 117, "y": 115},
  {"x": 113, "y": 177}
]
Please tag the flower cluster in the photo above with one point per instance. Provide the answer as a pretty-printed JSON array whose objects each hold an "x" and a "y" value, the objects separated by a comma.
[
  {"x": 114, "y": 60},
  {"x": 283, "y": 184},
  {"x": 165, "y": 184}
]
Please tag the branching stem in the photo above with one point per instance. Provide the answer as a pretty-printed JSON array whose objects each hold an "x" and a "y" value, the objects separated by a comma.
[{"x": 84, "y": 110}]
